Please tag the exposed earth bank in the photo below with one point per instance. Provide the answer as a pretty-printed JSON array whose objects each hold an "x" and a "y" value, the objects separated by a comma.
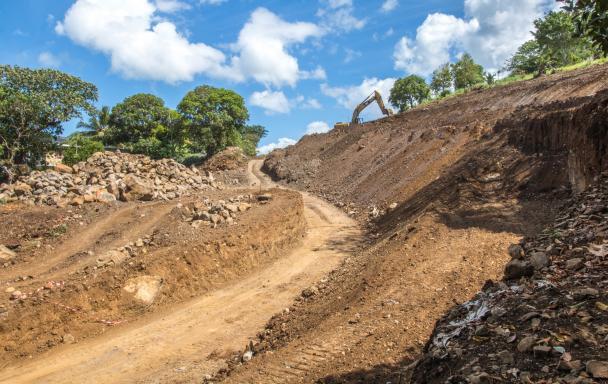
[{"x": 444, "y": 190}]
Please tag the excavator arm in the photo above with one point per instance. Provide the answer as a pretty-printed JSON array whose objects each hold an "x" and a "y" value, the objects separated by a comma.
[{"x": 375, "y": 96}]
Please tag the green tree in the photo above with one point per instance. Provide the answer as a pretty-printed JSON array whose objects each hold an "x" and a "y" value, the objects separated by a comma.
[
  {"x": 252, "y": 134},
  {"x": 214, "y": 118},
  {"x": 558, "y": 41},
  {"x": 137, "y": 117},
  {"x": 467, "y": 72},
  {"x": 591, "y": 20},
  {"x": 80, "y": 148},
  {"x": 33, "y": 105},
  {"x": 526, "y": 60},
  {"x": 409, "y": 92},
  {"x": 442, "y": 80},
  {"x": 98, "y": 123}
]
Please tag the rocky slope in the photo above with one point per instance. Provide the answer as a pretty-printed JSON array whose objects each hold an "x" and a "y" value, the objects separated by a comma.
[
  {"x": 107, "y": 177},
  {"x": 547, "y": 321}
]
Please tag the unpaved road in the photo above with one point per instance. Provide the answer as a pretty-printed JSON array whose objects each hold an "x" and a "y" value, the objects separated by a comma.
[{"x": 185, "y": 342}]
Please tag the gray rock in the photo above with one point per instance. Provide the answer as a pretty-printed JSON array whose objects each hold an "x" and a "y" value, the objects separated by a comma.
[
  {"x": 539, "y": 260},
  {"x": 516, "y": 251},
  {"x": 526, "y": 344},
  {"x": 574, "y": 264},
  {"x": 517, "y": 268}
]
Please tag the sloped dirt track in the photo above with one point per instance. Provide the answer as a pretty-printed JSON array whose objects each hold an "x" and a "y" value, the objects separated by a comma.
[{"x": 185, "y": 342}]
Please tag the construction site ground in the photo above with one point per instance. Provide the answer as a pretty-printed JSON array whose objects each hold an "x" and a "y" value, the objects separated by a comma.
[{"x": 373, "y": 233}]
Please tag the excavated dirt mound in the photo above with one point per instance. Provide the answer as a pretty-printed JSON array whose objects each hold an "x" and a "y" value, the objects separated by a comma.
[
  {"x": 445, "y": 189},
  {"x": 79, "y": 270},
  {"x": 231, "y": 158}
]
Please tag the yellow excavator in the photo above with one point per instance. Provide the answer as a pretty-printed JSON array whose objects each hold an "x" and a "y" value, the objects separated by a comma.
[{"x": 375, "y": 96}]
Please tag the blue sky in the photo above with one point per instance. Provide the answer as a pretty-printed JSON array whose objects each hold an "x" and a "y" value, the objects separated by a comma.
[{"x": 301, "y": 65}]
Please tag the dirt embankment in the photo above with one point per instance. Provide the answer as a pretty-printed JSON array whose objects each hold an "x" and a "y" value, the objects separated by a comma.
[
  {"x": 445, "y": 189},
  {"x": 80, "y": 270}
]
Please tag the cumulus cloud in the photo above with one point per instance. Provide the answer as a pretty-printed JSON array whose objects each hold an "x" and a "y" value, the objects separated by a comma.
[
  {"x": 272, "y": 102},
  {"x": 212, "y": 2},
  {"x": 491, "y": 32},
  {"x": 317, "y": 127},
  {"x": 138, "y": 47},
  {"x": 142, "y": 45},
  {"x": 170, "y": 6},
  {"x": 308, "y": 103},
  {"x": 350, "y": 96},
  {"x": 262, "y": 48},
  {"x": 281, "y": 143},
  {"x": 47, "y": 59},
  {"x": 389, "y": 6},
  {"x": 338, "y": 15}
]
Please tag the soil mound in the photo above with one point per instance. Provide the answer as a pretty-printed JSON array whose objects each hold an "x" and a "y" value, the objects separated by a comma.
[{"x": 230, "y": 159}]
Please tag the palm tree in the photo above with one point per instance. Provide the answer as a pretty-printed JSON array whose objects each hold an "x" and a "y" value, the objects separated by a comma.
[{"x": 98, "y": 123}]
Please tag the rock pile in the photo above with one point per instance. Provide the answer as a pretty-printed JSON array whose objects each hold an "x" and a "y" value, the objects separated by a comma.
[
  {"x": 207, "y": 212},
  {"x": 106, "y": 177},
  {"x": 547, "y": 321}
]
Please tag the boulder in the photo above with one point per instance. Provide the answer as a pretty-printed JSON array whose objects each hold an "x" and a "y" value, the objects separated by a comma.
[
  {"x": 136, "y": 189},
  {"x": 517, "y": 268},
  {"x": 113, "y": 257},
  {"x": 62, "y": 168},
  {"x": 144, "y": 288},
  {"x": 21, "y": 189},
  {"x": 6, "y": 254},
  {"x": 539, "y": 260}
]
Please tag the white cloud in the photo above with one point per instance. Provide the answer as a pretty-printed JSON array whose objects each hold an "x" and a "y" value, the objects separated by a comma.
[
  {"x": 349, "y": 97},
  {"x": 317, "y": 127},
  {"x": 389, "y": 6},
  {"x": 47, "y": 59},
  {"x": 350, "y": 55},
  {"x": 138, "y": 47},
  {"x": 281, "y": 143},
  {"x": 262, "y": 49},
  {"x": 338, "y": 15},
  {"x": 316, "y": 74},
  {"x": 142, "y": 45},
  {"x": 491, "y": 32},
  {"x": 272, "y": 102},
  {"x": 311, "y": 104},
  {"x": 212, "y": 2},
  {"x": 171, "y": 6}
]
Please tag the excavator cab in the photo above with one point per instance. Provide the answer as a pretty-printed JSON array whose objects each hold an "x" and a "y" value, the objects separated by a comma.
[{"x": 374, "y": 96}]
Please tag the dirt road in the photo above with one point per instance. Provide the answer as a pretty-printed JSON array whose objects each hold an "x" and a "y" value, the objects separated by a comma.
[{"x": 188, "y": 341}]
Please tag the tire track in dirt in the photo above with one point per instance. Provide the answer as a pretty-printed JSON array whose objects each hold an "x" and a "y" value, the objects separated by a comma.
[{"x": 189, "y": 340}]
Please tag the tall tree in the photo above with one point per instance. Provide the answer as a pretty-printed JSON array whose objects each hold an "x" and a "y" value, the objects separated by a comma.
[
  {"x": 558, "y": 40},
  {"x": 98, "y": 123},
  {"x": 409, "y": 92},
  {"x": 467, "y": 72},
  {"x": 137, "y": 117},
  {"x": 33, "y": 105},
  {"x": 442, "y": 80},
  {"x": 526, "y": 59},
  {"x": 591, "y": 20},
  {"x": 214, "y": 118}
]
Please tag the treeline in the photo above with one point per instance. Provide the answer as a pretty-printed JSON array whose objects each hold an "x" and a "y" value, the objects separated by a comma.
[
  {"x": 573, "y": 35},
  {"x": 34, "y": 103}
]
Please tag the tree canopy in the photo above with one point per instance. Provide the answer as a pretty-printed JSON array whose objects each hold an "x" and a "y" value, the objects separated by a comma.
[
  {"x": 33, "y": 105},
  {"x": 409, "y": 92},
  {"x": 442, "y": 80},
  {"x": 214, "y": 118},
  {"x": 467, "y": 72},
  {"x": 591, "y": 20}
]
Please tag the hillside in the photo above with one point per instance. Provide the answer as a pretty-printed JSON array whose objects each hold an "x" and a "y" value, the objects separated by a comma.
[{"x": 444, "y": 190}]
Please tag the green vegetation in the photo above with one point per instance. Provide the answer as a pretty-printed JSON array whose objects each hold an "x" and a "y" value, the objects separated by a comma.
[
  {"x": 409, "y": 92},
  {"x": 80, "y": 148},
  {"x": 573, "y": 38},
  {"x": 34, "y": 103}
]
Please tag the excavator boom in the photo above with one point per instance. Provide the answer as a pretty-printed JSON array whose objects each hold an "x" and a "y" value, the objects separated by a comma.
[{"x": 375, "y": 96}]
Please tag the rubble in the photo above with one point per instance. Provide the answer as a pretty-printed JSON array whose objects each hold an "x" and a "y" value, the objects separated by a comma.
[
  {"x": 549, "y": 313},
  {"x": 107, "y": 177},
  {"x": 215, "y": 213}
]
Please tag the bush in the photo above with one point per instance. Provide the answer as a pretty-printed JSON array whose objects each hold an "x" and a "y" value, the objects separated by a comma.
[{"x": 80, "y": 148}]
